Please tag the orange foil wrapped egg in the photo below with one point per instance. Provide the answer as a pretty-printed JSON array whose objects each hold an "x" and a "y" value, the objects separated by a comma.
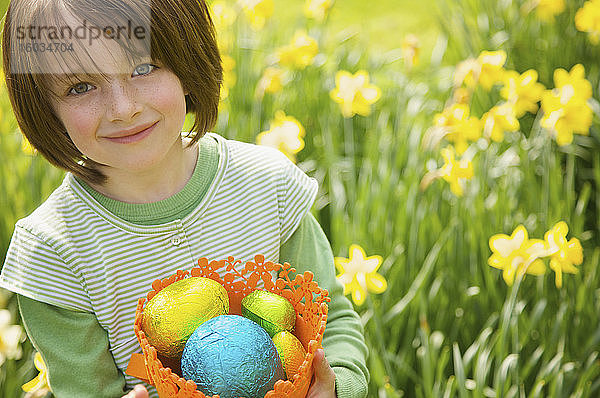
[
  {"x": 172, "y": 315},
  {"x": 271, "y": 311},
  {"x": 291, "y": 352}
]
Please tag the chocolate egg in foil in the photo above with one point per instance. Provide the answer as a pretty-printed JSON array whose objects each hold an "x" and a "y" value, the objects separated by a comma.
[
  {"x": 172, "y": 315},
  {"x": 233, "y": 357},
  {"x": 291, "y": 352},
  {"x": 271, "y": 311}
]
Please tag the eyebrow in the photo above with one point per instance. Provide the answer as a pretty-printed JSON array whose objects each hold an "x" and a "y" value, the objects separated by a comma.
[
  {"x": 62, "y": 81},
  {"x": 66, "y": 79}
]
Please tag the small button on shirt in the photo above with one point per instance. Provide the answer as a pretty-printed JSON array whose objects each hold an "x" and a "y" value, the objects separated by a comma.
[{"x": 176, "y": 240}]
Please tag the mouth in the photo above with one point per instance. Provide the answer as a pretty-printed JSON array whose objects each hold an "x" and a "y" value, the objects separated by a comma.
[{"x": 132, "y": 135}]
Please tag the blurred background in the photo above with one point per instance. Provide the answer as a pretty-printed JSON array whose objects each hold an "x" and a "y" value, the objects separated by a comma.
[{"x": 456, "y": 142}]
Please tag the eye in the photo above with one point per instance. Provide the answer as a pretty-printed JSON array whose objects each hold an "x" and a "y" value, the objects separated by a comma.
[
  {"x": 79, "y": 88},
  {"x": 143, "y": 69}
]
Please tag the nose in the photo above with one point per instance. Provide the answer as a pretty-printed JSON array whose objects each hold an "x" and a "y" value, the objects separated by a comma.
[{"x": 123, "y": 101}]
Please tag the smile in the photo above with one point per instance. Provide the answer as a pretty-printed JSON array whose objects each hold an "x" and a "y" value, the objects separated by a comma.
[{"x": 131, "y": 137}]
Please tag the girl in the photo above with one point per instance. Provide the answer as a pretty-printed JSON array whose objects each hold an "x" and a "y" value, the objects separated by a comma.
[{"x": 101, "y": 90}]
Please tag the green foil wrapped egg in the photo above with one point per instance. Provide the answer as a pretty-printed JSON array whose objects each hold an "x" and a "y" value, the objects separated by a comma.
[
  {"x": 172, "y": 315},
  {"x": 291, "y": 352},
  {"x": 271, "y": 311}
]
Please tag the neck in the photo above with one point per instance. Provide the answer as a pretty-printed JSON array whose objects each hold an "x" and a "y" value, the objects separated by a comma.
[{"x": 159, "y": 182}]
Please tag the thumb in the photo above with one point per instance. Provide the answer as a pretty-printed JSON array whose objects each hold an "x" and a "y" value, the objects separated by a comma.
[
  {"x": 139, "y": 391},
  {"x": 323, "y": 371}
]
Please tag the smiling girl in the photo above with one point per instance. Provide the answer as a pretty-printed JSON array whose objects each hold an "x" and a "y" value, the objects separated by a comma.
[{"x": 141, "y": 200}]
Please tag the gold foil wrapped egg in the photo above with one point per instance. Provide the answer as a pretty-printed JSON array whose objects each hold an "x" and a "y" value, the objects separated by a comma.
[
  {"x": 291, "y": 352},
  {"x": 271, "y": 311},
  {"x": 172, "y": 315}
]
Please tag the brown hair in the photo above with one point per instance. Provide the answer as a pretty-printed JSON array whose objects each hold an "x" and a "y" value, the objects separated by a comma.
[{"x": 182, "y": 39}]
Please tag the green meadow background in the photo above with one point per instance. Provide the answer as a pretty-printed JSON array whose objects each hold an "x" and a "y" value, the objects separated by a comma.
[{"x": 447, "y": 325}]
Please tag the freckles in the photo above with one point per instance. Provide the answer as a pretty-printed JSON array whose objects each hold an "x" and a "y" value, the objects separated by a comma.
[
  {"x": 82, "y": 121},
  {"x": 169, "y": 94}
]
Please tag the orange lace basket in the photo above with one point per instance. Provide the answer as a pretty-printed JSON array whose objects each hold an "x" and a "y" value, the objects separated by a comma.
[{"x": 308, "y": 299}]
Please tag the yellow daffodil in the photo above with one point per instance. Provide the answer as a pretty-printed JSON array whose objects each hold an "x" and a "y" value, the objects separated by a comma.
[
  {"x": 461, "y": 95},
  {"x": 587, "y": 19},
  {"x": 575, "y": 78},
  {"x": 258, "y": 11},
  {"x": 523, "y": 91},
  {"x": 566, "y": 111},
  {"x": 286, "y": 134},
  {"x": 300, "y": 53},
  {"x": 229, "y": 76},
  {"x": 359, "y": 274},
  {"x": 317, "y": 9},
  {"x": 499, "y": 119},
  {"x": 410, "y": 50},
  {"x": 546, "y": 10},
  {"x": 39, "y": 385},
  {"x": 517, "y": 254},
  {"x": 455, "y": 172},
  {"x": 459, "y": 128},
  {"x": 223, "y": 16},
  {"x": 492, "y": 68},
  {"x": 467, "y": 73},
  {"x": 354, "y": 93},
  {"x": 26, "y": 146},
  {"x": 10, "y": 337},
  {"x": 565, "y": 115},
  {"x": 564, "y": 255},
  {"x": 271, "y": 80}
]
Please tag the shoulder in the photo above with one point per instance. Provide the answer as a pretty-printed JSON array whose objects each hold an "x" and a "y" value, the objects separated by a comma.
[
  {"x": 52, "y": 216},
  {"x": 256, "y": 160},
  {"x": 244, "y": 151}
]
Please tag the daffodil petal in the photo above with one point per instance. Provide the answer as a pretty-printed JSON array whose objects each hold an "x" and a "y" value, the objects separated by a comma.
[
  {"x": 520, "y": 234},
  {"x": 537, "y": 267},
  {"x": 509, "y": 275},
  {"x": 503, "y": 245},
  {"x": 376, "y": 283},
  {"x": 558, "y": 278},
  {"x": 575, "y": 251},
  {"x": 340, "y": 263},
  {"x": 33, "y": 385},
  {"x": 497, "y": 261},
  {"x": 358, "y": 295}
]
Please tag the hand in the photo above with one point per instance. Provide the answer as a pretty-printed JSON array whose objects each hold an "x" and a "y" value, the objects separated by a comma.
[
  {"x": 323, "y": 383},
  {"x": 139, "y": 391}
]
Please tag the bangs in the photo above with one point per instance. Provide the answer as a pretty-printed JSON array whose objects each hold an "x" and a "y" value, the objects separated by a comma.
[{"x": 57, "y": 40}]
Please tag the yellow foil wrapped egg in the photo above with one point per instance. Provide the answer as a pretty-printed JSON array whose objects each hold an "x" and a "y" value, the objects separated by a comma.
[
  {"x": 271, "y": 311},
  {"x": 172, "y": 315},
  {"x": 291, "y": 352}
]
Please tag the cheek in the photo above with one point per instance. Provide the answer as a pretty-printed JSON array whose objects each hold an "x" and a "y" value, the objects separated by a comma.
[
  {"x": 169, "y": 98},
  {"x": 81, "y": 124}
]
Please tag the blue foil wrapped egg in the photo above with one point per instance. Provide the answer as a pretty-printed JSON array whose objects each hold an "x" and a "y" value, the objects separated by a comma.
[{"x": 231, "y": 356}]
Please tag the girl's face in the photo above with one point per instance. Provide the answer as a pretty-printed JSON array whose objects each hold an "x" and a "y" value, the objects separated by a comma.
[{"x": 130, "y": 121}]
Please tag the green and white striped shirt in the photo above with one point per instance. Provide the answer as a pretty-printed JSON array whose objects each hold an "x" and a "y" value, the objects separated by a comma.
[{"x": 73, "y": 253}]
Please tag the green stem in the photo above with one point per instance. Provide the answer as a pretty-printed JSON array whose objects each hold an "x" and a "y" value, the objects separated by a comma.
[
  {"x": 350, "y": 155},
  {"x": 381, "y": 340},
  {"x": 570, "y": 185}
]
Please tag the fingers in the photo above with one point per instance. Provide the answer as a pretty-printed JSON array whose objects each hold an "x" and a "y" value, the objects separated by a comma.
[
  {"x": 139, "y": 391},
  {"x": 323, "y": 372},
  {"x": 323, "y": 383}
]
